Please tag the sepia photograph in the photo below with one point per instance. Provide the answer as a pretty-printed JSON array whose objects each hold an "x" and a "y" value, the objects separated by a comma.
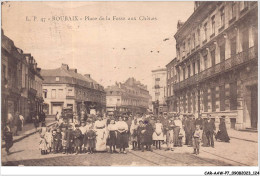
[{"x": 130, "y": 83}]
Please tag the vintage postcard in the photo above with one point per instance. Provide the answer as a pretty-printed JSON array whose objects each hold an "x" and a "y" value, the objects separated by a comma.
[{"x": 129, "y": 83}]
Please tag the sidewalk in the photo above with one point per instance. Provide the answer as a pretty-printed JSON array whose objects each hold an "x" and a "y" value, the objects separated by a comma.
[
  {"x": 29, "y": 129},
  {"x": 243, "y": 135}
]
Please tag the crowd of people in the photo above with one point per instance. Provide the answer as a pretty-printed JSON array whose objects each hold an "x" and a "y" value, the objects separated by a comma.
[{"x": 139, "y": 132}]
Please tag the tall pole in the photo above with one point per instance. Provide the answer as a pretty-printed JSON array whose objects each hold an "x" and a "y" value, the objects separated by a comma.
[{"x": 198, "y": 89}]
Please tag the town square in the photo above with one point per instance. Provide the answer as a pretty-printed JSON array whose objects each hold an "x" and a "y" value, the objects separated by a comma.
[{"x": 129, "y": 83}]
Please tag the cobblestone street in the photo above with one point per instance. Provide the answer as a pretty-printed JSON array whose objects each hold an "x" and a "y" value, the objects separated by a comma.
[{"x": 236, "y": 153}]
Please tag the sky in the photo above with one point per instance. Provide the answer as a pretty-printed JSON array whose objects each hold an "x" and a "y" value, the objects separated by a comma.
[{"x": 109, "y": 50}]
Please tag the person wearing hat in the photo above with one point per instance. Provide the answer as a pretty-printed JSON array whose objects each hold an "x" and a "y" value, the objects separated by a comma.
[
  {"x": 164, "y": 121},
  {"x": 8, "y": 137},
  {"x": 199, "y": 121},
  {"x": 133, "y": 134},
  {"x": 122, "y": 136},
  {"x": 187, "y": 129},
  {"x": 83, "y": 128},
  {"x": 91, "y": 139},
  {"x": 152, "y": 121},
  {"x": 57, "y": 141},
  {"x": 77, "y": 139},
  {"x": 68, "y": 137},
  {"x": 169, "y": 134},
  {"x": 209, "y": 128},
  {"x": 101, "y": 133},
  {"x": 111, "y": 142},
  {"x": 140, "y": 134},
  {"x": 176, "y": 130},
  {"x": 148, "y": 134},
  {"x": 193, "y": 127},
  {"x": 158, "y": 134},
  {"x": 222, "y": 134},
  {"x": 197, "y": 136}
]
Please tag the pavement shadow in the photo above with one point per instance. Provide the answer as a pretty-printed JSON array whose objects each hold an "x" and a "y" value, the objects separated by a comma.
[{"x": 15, "y": 152}]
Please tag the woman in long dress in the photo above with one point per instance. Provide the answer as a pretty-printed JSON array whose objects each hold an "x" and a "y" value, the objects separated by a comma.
[
  {"x": 222, "y": 134},
  {"x": 100, "y": 129},
  {"x": 133, "y": 134},
  {"x": 112, "y": 130},
  {"x": 122, "y": 137}
]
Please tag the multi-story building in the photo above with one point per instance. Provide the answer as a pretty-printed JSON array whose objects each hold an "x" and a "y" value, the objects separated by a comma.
[
  {"x": 159, "y": 91},
  {"x": 64, "y": 87},
  {"x": 216, "y": 65},
  {"x": 16, "y": 76},
  {"x": 128, "y": 97},
  {"x": 171, "y": 78}
]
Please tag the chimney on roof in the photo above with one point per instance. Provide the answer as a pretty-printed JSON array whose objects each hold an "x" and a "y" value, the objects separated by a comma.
[
  {"x": 73, "y": 70},
  {"x": 87, "y": 75},
  {"x": 179, "y": 24},
  {"x": 65, "y": 66}
]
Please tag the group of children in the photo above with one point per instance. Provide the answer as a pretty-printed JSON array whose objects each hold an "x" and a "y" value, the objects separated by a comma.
[{"x": 67, "y": 138}]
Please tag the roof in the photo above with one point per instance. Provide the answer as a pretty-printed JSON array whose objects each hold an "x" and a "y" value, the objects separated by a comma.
[
  {"x": 171, "y": 62},
  {"x": 62, "y": 72},
  {"x": 160, "y": 69},
  {"x": 114, "y": 88}
]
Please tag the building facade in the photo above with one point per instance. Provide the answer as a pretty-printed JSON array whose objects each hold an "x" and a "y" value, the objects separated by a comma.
[
  {"x": 16, "y": 80},
  {"x": 128, "y": 97},
  {"x": 216, "y": 64},
  {"x": 64, "y": 87},
  {"x": 171, "y": 78},
  {"x": 159, "y": 91}
]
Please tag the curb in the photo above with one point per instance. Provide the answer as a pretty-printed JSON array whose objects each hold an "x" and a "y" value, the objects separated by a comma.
[
  {"x": 248, "y": 140},
  {"x": 27, "y": 135}
]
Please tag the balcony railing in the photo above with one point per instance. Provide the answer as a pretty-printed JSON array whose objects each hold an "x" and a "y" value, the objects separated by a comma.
[{"x": 236, "y": 60}]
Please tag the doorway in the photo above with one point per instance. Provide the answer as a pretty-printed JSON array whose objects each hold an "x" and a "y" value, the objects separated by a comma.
[{"x": 254, "y": 106}]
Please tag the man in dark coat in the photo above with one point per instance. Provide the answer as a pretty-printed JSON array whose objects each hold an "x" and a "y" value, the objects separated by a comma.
[
  {"x": 17, "y": 123},
  {"x": 169, "y": 134},
  {"x": 148, "y": 134},
  {"x": 187, "y": 129},
  {"x": 222, "y": 133},
  {"x": 140, "y": 134},
  {"x": 209, "y": 128},
  {"x": 164, "y": 121},
  {"x": 57, "y": 138},
  {"x": 193, "y": 127},
  {"x": 8, "y": 138},
  {"x": 199, "y": 121},
  {"x": 69, "y": 139},
  {"x": 77, "y": 139}
]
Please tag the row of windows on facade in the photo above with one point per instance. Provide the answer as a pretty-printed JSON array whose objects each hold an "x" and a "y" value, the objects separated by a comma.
[
  {"x": 13, "y": 79},
  {"x": 128, "y": 91},
  {"x": 209, "y": 59},
  {"x": 191, "y": 100},
  {"x": 57, "y": 79},
  {"x": 60, "y": 93},
  {"x": 130, "y": 101},
  {"x": 195, "y": 39}
]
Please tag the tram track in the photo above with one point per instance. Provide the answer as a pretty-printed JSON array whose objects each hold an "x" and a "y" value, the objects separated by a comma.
[
  {"x": 180, "y": 162},
  {"x": 243, "y": 164},
  {"x": 144, "y": 158},
  {"x": 171, "y": 158}
]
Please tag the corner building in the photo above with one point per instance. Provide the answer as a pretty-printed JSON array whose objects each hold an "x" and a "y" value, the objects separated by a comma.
[
  {"x": 217, "y": 62},
  {"x": 128, "y": 97}
]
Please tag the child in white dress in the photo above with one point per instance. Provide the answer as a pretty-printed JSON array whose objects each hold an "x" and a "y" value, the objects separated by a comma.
[{"x": 158, "y": 134}]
